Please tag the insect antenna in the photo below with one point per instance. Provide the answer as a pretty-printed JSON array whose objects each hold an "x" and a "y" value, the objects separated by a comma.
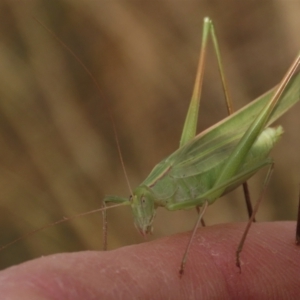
[
  {"x": 107, "y": 107},
  {"x": 63, "y": 220}
]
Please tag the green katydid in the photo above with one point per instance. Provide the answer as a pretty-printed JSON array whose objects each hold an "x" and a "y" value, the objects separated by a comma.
[{"x": 214, "y": 162}]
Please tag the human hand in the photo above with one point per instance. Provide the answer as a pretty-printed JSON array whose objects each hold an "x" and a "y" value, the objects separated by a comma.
[{"x": 270, "y": 264}]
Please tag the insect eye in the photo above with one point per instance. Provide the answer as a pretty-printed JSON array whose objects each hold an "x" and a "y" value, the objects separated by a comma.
[
  {"x": 130, "y": 198},
  {"x": 143, "y": 200}
]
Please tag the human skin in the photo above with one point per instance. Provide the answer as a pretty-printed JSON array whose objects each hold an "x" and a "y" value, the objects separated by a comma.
[{"x": 270, "y": 264}]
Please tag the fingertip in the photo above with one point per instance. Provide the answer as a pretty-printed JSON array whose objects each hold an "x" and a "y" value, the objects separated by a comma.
[{"x": 150, "y": 270}]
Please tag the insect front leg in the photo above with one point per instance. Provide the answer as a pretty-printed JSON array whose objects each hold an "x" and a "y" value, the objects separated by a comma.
[{"x": 110, "y": 199}]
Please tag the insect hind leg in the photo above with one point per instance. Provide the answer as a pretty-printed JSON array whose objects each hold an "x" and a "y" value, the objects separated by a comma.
[{"x": 250, "y": 221}]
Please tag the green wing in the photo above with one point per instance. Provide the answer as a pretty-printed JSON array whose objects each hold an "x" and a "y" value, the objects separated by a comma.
[
  {"x": 228, "y": 131},
  {"x": 211, "y": 146}
]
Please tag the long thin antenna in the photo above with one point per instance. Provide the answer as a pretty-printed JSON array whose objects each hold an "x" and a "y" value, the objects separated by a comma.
[
  {"x": 93, "y": 78},
  {"x": 65, "y": 219}
]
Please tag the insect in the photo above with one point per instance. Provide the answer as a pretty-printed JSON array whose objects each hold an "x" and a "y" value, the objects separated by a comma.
[{"x": 216, "y": 161}]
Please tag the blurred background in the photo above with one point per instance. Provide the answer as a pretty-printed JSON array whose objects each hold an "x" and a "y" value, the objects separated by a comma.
[{"x": 58, "y": 155}]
